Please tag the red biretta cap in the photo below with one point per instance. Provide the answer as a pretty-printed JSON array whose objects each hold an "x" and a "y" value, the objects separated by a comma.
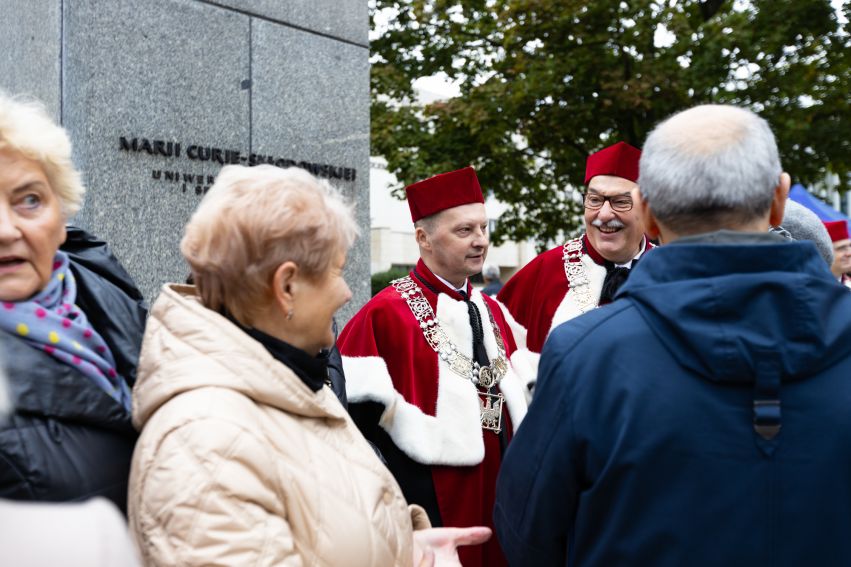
[
  {"x": 620, "y": 160},
  {"x": 838, "y": 230},
  {"x": 442, "y": 192}
]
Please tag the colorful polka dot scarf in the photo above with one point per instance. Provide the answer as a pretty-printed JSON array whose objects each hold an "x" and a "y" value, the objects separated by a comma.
[{"x": 51, "y": 322}]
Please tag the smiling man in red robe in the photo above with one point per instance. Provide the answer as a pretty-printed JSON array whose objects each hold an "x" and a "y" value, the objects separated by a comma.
[
  {"x": 587, "y": 271},
  {"x": 428, "y": 364},
  {"x": 841, "y": 267}
]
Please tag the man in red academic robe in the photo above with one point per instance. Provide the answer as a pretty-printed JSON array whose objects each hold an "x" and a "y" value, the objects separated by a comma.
[
  {"x": 428, "y": 366},
  {"x": 587, "y": 271},
  {"x": 838, "y": 231}
]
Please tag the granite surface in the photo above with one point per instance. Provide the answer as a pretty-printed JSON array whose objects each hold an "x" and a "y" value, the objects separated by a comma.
[
  {"x": 343, "y": 19},
  {"x": 310, "y": 102},
  {"x": 221, "y": 79},
  {"x": 30, "y": 43},
  {"x": 167, "y": 70}
]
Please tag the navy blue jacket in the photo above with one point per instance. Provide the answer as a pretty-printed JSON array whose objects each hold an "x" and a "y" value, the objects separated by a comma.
[
  {"x": 68, "y": 440},
  {"x": 644, "y": 445}
]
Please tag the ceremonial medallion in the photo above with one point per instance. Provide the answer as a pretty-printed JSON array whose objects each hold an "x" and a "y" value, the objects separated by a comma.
[
  {"x": 490, "y": 408},
  {"x": 485, "y": 377}
]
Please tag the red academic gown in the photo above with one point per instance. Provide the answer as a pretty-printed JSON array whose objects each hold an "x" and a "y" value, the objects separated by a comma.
[
  {"x": 539, "y": 296},
  {"x": 425, "y": 418}
]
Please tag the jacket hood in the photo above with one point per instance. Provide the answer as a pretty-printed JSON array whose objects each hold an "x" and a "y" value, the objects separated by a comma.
[
  {"x": 723, "y": 309},
  {"x": 188, "y": 346}
]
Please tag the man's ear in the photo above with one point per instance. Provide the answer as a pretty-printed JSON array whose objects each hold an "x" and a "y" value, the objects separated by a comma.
[
  {"x": 284, "y": 285},
  {"x": 422, "y": 238},
  {"x": 651, "y": 227},
  {"x": 778, "y": 202}
]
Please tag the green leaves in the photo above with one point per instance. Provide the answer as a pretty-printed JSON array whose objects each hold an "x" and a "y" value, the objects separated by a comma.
[{"x": 545, "y": 82}]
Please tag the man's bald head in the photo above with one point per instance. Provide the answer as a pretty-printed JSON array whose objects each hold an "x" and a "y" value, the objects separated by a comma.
[{"x": 710, "y": 167}]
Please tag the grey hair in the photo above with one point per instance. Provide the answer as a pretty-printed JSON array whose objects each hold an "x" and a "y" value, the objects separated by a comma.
[
  {"x": 709, "y": 163},
  {"x": 803, "y": 224},
  {"x": 490, "y": 272},
  {"x": 428, "y": 223}
]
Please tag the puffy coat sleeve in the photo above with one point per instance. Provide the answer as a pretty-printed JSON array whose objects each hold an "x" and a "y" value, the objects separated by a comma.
[
  {"x": 210, "y": 494},
  {"x": 523, "y": 361}
]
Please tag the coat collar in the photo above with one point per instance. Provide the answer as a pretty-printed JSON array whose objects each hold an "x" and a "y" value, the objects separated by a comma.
[
  {"x": 422, "y": 274},
  {"x": 188, "y": 347}
]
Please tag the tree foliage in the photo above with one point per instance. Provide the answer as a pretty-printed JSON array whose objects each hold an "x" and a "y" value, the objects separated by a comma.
[
  {"x": 543, "y": 83},
  {"x": 380, "y": 280}
]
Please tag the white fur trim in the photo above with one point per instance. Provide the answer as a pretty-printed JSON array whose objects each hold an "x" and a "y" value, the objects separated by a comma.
[
  {"x": 569, "y": 308},
  {"x": 453, "y": 436},
  {"x": 518, "y": 330},
  {"x": 516, "y": 397},
  {"x": 525, "y": 363}
]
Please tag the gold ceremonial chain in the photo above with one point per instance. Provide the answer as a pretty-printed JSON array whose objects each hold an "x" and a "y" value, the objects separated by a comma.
[
  {"x": 486, "y": 377},
  {"x": 577, "y": 276}
]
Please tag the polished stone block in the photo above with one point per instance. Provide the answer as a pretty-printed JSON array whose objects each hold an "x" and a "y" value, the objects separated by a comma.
[
  {"x": 158, "y": 95},
  {"x": 31, "y": 48},
  {"x": 160, "y": 70},
  {"x": 310, "y": 102},
  {"x": 343, "y": 19}
]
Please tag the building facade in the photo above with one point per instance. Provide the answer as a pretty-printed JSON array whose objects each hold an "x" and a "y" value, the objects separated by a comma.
[{"x": 392, "y": 232}]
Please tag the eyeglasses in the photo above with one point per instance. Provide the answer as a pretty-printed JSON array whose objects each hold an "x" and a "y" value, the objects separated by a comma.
[{"x": 619, "y": 203}]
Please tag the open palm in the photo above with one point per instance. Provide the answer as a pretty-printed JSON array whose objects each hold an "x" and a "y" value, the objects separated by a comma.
[{"x": 438, "y": 547}]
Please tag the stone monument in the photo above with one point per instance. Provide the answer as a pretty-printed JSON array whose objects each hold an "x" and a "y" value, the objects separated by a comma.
[{"x": 159, "y": 95}]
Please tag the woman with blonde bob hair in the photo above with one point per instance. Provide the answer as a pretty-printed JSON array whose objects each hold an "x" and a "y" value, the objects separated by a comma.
[
  {"x": 246, "y": 457},
  {"x": 71, "y": 325}
]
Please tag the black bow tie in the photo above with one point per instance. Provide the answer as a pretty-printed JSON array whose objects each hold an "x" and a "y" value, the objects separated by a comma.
[{"x": 615, "y": 278}]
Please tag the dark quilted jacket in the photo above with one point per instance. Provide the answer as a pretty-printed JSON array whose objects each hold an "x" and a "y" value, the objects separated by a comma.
[{"x": 68, "y": 440}]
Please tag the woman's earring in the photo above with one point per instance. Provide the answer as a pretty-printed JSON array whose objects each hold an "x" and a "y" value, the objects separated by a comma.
[{"x": 289, "y": 314}]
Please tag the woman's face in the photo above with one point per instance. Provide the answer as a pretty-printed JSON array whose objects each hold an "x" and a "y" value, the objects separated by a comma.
[
  {"x": 32, "y": 227},
  {"x": 315, "y": 305}
]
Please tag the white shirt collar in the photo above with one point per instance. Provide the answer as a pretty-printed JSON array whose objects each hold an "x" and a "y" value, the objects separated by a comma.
[
  {"x": 450, "y": 286},
  {"x": 628, "y": 264}
]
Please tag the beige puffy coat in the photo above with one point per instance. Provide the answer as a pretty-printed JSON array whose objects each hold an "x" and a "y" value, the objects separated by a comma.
[{"x": 240, "y": 463}]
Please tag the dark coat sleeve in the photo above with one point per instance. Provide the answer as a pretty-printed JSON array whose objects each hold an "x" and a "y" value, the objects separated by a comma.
[{"x": 539, "y": 482}]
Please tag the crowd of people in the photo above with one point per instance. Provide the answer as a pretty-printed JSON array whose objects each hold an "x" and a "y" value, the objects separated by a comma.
[{"x": 667, "y": 388}]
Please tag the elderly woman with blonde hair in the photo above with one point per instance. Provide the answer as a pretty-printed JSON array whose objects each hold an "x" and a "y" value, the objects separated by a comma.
[
  {"x": 246, "y": 457},
  {"x": 71, "y": 324}
]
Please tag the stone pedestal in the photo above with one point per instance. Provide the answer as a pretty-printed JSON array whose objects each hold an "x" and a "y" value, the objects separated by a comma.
[{"x": 158, "y": 95}]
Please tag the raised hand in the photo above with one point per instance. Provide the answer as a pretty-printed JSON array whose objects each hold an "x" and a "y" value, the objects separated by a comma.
[{"x": 438, "y": 547}]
